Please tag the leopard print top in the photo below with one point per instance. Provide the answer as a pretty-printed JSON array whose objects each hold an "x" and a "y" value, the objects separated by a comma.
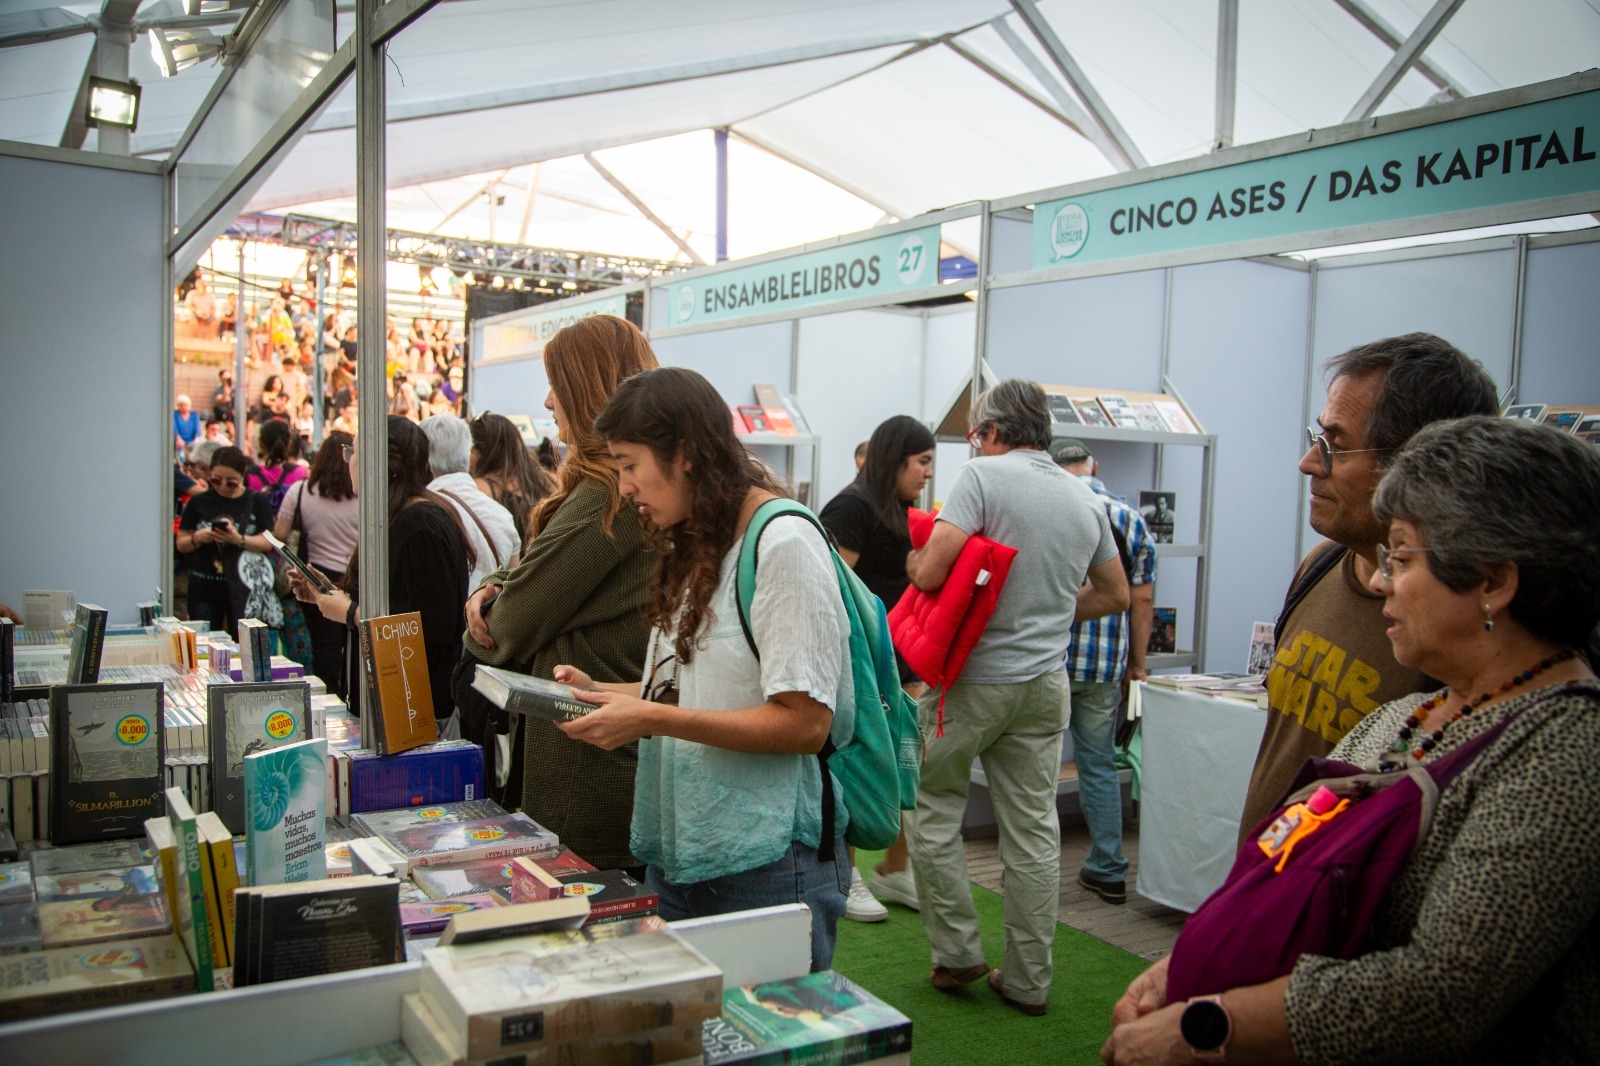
[{"x": 1488, "y": 945}]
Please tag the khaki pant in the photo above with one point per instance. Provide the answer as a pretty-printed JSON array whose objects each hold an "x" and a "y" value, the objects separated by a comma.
[{"x": 1016, "y": 731}]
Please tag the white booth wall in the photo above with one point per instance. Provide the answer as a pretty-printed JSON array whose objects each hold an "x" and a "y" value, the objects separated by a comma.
[
  {"x": 85, "y": 422},
  {"x": 1560, "y": 326}
]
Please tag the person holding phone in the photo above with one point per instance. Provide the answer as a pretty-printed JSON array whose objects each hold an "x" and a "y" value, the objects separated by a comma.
[{"x": 220, "y": 532}]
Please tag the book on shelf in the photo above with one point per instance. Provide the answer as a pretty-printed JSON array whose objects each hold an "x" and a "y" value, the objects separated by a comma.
[
  {"x": 526, "y": 694},
  {"x": 431, "y": 916},
  {"x": 286, "y": 802},
  {"x": 373, "y": 855},
  {"x": 1588, "y": 429},
  {"x": 246, "y": 718},
  {"x": 818, "y": 1017},
  {"x": 778, "y": 420},
  {"x": 1527, "y": 412},
  {"x": 223, "y": 881},
  {"x": 108, "y": 759},
  {"x": 450, "y": 879},
  {"x": 739, "y": 427},
  {"x": 47, "y": 609},
  {"x": 428, "y": 1038},
  {"x": 376, "y": 823},
  {"x": 64, "y": 979},
  {"x": 595, "y": 982},
  {"x": 316, "y": 927},
  {"x": 19, "y": 928},
  {"x": 1563, "y": 418},
  {"x": 486, "y": 838},
  {"x": 90, "y": 920},
  {"x": 1061, "y": 409},
  {"x": 1091, "y": 413},
  {"x": 16, "y": 882},
  {"x": 279, "y": 668},
  {"x": 612, "y": 895},
  {"x": 1177, "y": 419},
  {"x": 532, "y": 883},
  {"x": 754, "y": 418},
  {"x": 8, "y": 661},
  {"x": 94, "y": 884},
  {"x": 446, "y": 771},
  {"x": 1149, "y": 417},
  {"x": 97, "y": 855},
  {"x": 1157, "y": 508},
  {"x": 1163, "y": 631},
  {"x": 255, "y": 650},
  {"x": 1119, "y": 410},
  {"x": 517, "y": 919},
  {"x": 88, "y": 644},
  {"x": 158, "y": 831},
  {"x": 396, "y": 666},
  {"x": 1263, "y": 644}
]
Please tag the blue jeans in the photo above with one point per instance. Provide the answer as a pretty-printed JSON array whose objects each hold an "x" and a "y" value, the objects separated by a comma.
[
  {"x": 1094, "y": 730},
  {"x": 796, "y": 877}
]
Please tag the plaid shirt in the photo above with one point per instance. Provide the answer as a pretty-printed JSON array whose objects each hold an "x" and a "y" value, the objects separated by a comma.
[{"x": 1099, "y": 649}]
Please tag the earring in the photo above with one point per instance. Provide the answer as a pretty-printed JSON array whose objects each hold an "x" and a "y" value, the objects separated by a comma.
[{"x": 1488, "y": 618}]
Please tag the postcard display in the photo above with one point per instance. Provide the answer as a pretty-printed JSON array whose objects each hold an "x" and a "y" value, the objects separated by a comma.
[{"x": 775, "y": 421}]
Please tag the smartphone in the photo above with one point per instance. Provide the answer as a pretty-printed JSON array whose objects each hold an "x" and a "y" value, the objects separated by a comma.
[{"x": 318, "y": 582}]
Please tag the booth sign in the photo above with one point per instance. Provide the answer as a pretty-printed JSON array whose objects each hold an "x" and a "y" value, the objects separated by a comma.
[{"x": 526, "y": 336}]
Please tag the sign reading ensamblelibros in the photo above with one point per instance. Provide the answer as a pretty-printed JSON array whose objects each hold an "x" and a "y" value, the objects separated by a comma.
[
  {"x": 894, "y": 263},
  {"x": 1531, "y": 152}
]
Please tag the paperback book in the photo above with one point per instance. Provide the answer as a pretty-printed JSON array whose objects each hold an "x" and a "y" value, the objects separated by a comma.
[
  {"x": 819, "y": 1017},
  {"x": 1156, "y": 508},
  {"x": 64, "y": 979},
  {"x": 1061, "y": 409},
  {"x": 1262, "y": 647},
  {"x": 316, "y": 927},
  {"x": 533, "y": 696},
  {"x": 16, "y": 882},
  {"x": 373, "y": 855},
  {"x": 108, "y": 760},
  {"x": 19, "y": 928},
  {"x": 396, "y": 665},
  {"x": 505, "y": 996},
  {"x": 244, "y": 719},
  {"x": 376, "y": 823},
  {"x": 255, "y": 650},
  {"x": 286, "y": 803},
  {"x": 1090, "y": 412},
  {"x": 447, "y": 771},
  {"x": 88, "y": 644},
  {"x": 8, "y": 661},
  {"x": 1176, "y": 418},
  {"x": 222, "y": 882},
  {"x": 94, "y": 884},
  {"x": 65, "y": 922},
  {"x": 100, "y": 855},
  {"x": 190, "y": 922},
  {"x": 1119, "y": 410},
  {"x": 421, "y": 919},
  {"x": 518, "y": 919},
  {"x": 612, "y": 895},
  {"x": 1163, "y": 630},
  {"x": 433, "y": 1043},
  {"x": 451, "y": 879},
  {"x": 487, "y": 838}
]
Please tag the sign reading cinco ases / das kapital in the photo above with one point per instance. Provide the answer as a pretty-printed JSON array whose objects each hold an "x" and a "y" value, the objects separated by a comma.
[
  {"x": 526, "y": 337},
  {"x": 895, "y": 263},
  {"x": 1535, "y": 151}
]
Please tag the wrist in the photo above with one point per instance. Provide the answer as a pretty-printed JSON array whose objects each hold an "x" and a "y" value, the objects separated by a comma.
[{"x": 1207, "y": 1027}]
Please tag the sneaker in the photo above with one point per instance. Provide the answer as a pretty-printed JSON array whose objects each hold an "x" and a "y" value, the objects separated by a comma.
[
  {"x": 897, "y": 887},
  {"x": 859, "y": 905},
  {"x": 1110, "y": 891}
]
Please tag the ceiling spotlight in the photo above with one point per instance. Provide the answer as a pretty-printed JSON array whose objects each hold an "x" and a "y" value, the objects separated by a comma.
[
  {"x": 498, "y": 282},
  {"x": 569, "y": 285},
  {"x": 113, "y": 103},
  {"x": 347, "y": 275},
  {"x": 176, "y": 50},
  {"x": 468, "y": 278},
  {"x": 516, "y": 283}
]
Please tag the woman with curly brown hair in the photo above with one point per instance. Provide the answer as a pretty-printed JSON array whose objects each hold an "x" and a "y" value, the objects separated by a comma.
[
  {"x": 578, "y": 595},
  {"x": 728, "y": 803}
]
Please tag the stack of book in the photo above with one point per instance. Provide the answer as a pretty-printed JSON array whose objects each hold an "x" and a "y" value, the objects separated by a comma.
[
  {"x": 446, "y": 771},
  {"x": 316, "y": 927},
  {"x": 1246, "y": 688},
  {"x": 819, "y": 1018},
  {"x": 501, "y": 837},
  {"x": 64, "y": 979},
  {"x": 630, "y": 992}
]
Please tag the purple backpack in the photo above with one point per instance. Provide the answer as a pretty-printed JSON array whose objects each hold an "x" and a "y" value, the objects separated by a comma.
[{"x": 1256, "y": 926}]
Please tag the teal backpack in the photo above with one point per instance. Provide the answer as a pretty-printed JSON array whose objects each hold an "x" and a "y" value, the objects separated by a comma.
[{"x": 877, "y": 760}]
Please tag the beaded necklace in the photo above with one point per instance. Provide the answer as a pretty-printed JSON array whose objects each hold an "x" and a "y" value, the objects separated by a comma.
[{"x": 1413, "y": 722}]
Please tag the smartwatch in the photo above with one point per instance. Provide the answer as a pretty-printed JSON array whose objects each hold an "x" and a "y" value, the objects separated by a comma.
[{"x": 1206, "y": 1027}]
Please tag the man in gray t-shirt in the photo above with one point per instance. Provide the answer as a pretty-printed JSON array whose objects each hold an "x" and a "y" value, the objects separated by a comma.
[{"x": 1011, "y": 706}]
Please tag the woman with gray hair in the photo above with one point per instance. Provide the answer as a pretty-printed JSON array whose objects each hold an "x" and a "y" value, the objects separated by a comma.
[{"x": 1485, "y": 946}]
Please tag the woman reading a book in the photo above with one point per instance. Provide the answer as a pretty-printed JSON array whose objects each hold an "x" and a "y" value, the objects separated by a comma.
[
  {"x": 727, "y": 807},
  {"x": 577, "y": 596}
]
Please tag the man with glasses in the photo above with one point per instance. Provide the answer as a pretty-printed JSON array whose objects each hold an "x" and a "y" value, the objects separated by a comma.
[{"x": 1334, "y": 664}]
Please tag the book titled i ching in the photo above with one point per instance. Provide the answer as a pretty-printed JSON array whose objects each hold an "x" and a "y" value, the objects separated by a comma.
[
  {"x": 245, "y": 719},
  {"x": 107, "y": 760}
]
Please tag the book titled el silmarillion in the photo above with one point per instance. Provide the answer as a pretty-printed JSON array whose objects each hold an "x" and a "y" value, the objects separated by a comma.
[
  {"x": 107, "y": 760},
  {"x": 245, "y": 719}
]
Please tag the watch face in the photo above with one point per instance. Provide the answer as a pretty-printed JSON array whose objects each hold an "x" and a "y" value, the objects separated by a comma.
[{"x": 1204, "y": 1025}]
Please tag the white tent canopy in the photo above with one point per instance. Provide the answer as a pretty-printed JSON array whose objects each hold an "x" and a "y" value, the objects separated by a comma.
[{"x": 882, "y": 107}]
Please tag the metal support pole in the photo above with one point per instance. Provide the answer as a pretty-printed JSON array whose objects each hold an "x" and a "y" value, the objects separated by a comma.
[
  {"x": 1227, "y": 71},
  {"x": 318, "y": 370},
  {"x": 721, "y": 136},
  {"x": 372, "y": 445},
  {"x": 1518, "y": 311},
  {"x": 241, "y": 371}
]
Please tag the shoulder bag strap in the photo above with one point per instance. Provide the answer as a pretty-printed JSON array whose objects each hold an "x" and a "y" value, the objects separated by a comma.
[
  {"x": 1314, "y": 572},
  {"x": 481, "y": 527}
]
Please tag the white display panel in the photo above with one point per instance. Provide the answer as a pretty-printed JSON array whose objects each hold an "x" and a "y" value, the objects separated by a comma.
[{"x": 1560, "y": 321}]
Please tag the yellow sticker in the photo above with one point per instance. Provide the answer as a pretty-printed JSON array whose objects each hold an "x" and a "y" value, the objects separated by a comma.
[{"x": 133, "y": 729}]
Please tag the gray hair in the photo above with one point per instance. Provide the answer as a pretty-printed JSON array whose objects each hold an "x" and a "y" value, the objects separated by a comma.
[
  {"x": 1425, "y": 379},
  {"x": 1486, "y": 491},
  {"x": 449, "y": 444},
  {"x": 1018, "y": 413},
  {"x": 201, "y": 451}
]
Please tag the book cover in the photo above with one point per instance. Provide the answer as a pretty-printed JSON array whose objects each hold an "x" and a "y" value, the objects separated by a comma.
[
  {"x": 1163, "y": 630},
  {"x": 318, "y": 927},
  {"x": 8, "y": 661},
  {"x": 531, "y": 882},
  {"x": 376, "y": 823},
  {"x": 433, "y": 1043},
  {"x": 1150, "y": 417},
  {"x": 517, "y": 919},
  {"x": 1119, "y": 410},
  {"x": 1588, "y": 429},
  {"x": 19, "y": 928},
  {"x": 1176, "y": 418},
  {"x": 16, "y": 882},
  {"x": 778, "y": 420},
  {"x": 1061, "y": 409},
  {"x": 1156, "y": 507},
  {"x": 506, "y": 996},
  {"x": 159, "y": 833},
  {"x": 108, "y": 761},
  {"x": 88, "y": 643},
  {"x": 65, "y": 922},
  {"x": 47, "y": 609},
  {"x": 1563, "y": 418},
  {"x": 224, "y": 881},
  {"x": 1090, "y": 412},
  {"x": 373, "y": 855},
  {"x": 99, "y": 855},
  {"x": 1262, "y": 647},
  {"x": 610, "y": 893},
  {"x": 244, "y": 719},
  {"x": 526, "y": 694},
  {"x": 818, "y": 1017},
  {"x": 754, "y": 418},
  {"x": 1528, "y": 412},
  {"x": 92, "y": 884},
  {"x": 255, "y": 650},
  {"x": 286, "y": 802},
  {"x": 450, "y": 879},
  {"x": 739, "y": 426},
  {"x": 448, "y": 771},
  {"x": 64, "y": 979},
  {"x": 396, "y": 665},
  {"x": 487, "y": 838},
  {"x": 419, "y": 919}
]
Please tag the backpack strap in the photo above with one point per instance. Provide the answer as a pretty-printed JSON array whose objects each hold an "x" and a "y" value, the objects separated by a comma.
[
  {"x": 1314, "y": 571},
  {"x": 744, "y": 596}
]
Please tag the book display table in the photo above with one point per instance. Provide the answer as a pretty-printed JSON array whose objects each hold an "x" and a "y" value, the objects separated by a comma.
[{"x": 1198, "y": 751}]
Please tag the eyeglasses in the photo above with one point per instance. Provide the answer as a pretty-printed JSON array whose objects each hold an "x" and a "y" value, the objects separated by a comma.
[
  {"x": 349, "y": 451},
  {"x": 975, "y": 438},
  {"x": 1385, "y": 553},
  {"x": 1326, "y": 452}
]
